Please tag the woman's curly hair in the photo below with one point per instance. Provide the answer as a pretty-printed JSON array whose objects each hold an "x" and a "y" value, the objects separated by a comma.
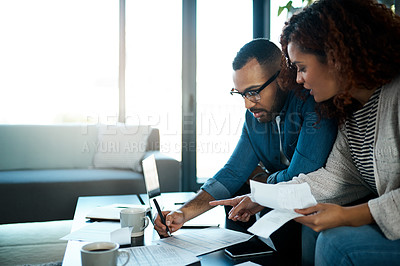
[{"x": 358, "y": 39}]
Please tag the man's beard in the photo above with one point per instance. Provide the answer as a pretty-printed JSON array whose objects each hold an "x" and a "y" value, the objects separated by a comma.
[{"x": 279, "y": 101}]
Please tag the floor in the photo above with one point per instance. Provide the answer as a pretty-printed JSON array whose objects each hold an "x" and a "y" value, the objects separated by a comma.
[{"x": 33, "y": 243}]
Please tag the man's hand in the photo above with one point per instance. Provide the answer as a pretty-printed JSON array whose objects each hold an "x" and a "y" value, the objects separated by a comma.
[
  {"x": 242, "y": 209},
  {"x": 174, "y": 221},
  {"x": 188, "y": 211},
  {"x": 324, "y": 216}
]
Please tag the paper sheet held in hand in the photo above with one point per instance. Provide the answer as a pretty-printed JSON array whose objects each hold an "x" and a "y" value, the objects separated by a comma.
[{"x": 283, "y": 198}]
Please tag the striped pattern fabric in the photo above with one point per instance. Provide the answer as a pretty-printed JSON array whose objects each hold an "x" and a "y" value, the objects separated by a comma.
[{"x": 360, "y": 133}]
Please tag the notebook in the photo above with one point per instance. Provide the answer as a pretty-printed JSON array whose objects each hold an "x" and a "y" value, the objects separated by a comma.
[
  {"x": 171, "y": 201},
  {"x": 109, "y": 212}
]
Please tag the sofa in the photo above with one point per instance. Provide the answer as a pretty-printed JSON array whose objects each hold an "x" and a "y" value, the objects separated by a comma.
[{"x": 45, "y": 168}]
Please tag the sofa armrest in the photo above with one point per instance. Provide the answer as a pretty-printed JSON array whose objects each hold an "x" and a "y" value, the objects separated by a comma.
[{"x": 169, "y": 171}]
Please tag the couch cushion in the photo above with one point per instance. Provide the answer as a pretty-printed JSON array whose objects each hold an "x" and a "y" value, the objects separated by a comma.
[
  {"x": 43, "y": 195},
  {"x": 67, "y": 176},
  {"x": 46, "y": 146},
  {"x": 121, "y": 146}
]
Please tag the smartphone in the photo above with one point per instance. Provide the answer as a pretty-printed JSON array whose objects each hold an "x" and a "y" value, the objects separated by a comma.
[{"x": 252, "y": 247}]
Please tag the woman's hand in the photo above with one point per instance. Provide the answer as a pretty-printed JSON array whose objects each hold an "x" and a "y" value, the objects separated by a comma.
[
  {"x": 242, "y": 209},
  {"x": 324, "y": 216}
]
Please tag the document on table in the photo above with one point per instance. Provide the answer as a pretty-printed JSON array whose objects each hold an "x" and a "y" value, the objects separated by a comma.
[
  {"x": 102, "y": 231},
  {"x": 157, "y": 255},
  {"x": 283, "y": 198},
  {"x": 203, "y": 241}
]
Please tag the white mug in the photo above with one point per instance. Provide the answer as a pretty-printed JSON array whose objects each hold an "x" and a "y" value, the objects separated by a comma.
[
  {"x": 102, "y": 254},
  {"x": 136, "y": 218}
]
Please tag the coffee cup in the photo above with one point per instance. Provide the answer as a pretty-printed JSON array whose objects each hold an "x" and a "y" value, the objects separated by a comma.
[
  {"x": 136, "y": 219},
  {"x": 102, "y": 254}
]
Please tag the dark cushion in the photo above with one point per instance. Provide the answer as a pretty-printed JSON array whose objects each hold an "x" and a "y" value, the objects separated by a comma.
[{"x": 45, "y": 195}]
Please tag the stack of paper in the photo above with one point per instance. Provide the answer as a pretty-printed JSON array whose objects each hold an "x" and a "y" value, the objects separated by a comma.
[
  {"x": 180, "y": 249},
  {"x": 203, "y": 241},
  {"x": 102, "y": 231},
  {"x": 157, "y": 255}
]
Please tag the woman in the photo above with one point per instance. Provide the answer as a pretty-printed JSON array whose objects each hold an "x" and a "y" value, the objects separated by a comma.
[{"x": 347, "y": 52}]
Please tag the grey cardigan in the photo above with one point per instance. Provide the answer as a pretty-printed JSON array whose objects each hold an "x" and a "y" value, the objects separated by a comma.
[{"x": 340, "y": 182}]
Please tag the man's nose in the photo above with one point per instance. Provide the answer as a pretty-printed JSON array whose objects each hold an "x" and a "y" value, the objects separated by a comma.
[{"x": 248, "y": 104}]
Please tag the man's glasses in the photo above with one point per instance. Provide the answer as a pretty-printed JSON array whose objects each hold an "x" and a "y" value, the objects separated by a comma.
[{"x": 254, "y": 95}]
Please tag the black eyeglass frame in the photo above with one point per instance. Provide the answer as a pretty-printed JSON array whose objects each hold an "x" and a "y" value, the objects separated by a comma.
[{"x": 254, "y": 93}]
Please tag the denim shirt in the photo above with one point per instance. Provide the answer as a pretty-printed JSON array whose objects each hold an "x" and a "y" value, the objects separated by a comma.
[{"x": 304, "y": 143}]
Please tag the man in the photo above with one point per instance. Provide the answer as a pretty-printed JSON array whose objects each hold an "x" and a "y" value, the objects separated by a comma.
[{"x": 281, "y": 131}]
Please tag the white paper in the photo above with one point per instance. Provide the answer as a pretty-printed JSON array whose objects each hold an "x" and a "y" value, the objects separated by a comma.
[
  {"x": 157, "y": 255},
  {"x": 271, "y": 222},
  {"x": 102, "y": 231},
  {"x": 283, "y": 198},
  {"x": 110, "y": 212},
  {"x": 268, "y": 241},
  {"x": 207, "y": 240},
  {"x": 247, "y": 263}
]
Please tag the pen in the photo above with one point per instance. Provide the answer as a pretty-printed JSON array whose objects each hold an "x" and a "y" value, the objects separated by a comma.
[{"x": 161, "y": 215}]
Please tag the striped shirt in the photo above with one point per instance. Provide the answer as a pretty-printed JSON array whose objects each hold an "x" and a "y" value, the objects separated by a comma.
[{"x": 360, "y": 129}]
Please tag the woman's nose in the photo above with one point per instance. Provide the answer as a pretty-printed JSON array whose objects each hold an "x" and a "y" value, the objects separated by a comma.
[{"x": 299, "y": 78}]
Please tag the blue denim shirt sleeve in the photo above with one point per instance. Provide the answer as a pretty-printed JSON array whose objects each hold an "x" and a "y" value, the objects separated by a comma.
[
  {"x": 235, "y": 172},
  {"x": 216, "y": 189},
  {"x": 313, "y": 146}
]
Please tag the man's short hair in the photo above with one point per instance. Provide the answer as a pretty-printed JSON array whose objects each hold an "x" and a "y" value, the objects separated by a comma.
[{"x": 267, "y": 54}]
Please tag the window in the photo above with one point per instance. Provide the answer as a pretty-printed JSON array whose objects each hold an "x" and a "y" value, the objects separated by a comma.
[
  {"x": 223, "y": 27},
  {"x": 59, "y": 61},
  {"x": 153, "y": 69},
  {"x": 277, "y": 22}
]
